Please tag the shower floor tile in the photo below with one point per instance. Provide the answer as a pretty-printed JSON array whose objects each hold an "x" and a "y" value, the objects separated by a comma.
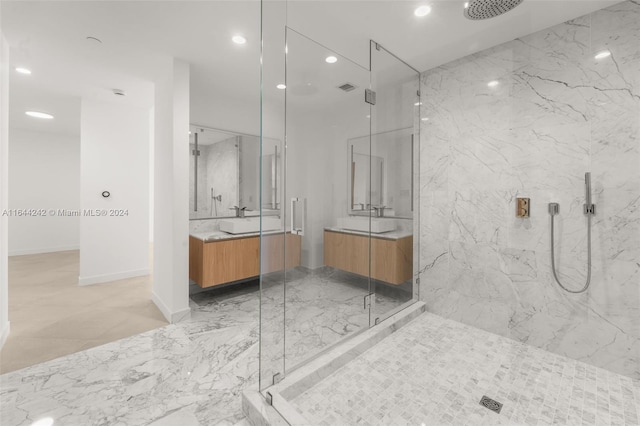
[{"x": 434, "y": 371}]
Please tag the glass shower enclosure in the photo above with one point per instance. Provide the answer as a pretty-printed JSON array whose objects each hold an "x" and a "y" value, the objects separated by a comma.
[{"x": 346, "y": 258}]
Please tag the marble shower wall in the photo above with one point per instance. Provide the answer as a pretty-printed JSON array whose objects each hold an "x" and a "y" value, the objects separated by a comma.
[{"x": 556, "y": 114}]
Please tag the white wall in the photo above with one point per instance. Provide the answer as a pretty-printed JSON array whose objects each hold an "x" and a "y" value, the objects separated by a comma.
[
  {"x": 171, "y": 192},
  {"x": 44, "y": 174},
  {"x": 4, "y": 179},
  {"x": 114, "y": 157},
  {"x": 151, "y": 171}
]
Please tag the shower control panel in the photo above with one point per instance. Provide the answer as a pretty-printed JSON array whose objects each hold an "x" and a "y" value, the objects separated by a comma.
[{"x": 523, "y": 207}]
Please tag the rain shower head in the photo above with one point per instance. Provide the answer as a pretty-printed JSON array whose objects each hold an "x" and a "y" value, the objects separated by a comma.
[{"x": 485, "y": 9}]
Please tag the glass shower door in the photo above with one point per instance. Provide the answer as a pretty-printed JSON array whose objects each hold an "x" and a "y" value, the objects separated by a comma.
[
  {"x": 394, "y": 177},
  {"x": 345, "y": 260},
  {"x": 326, "y": 294}
]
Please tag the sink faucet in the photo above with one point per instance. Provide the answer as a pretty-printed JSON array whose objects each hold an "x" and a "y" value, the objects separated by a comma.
[
  {"x": 379, "y": 210},
  {"x": 239, "y": 211}
]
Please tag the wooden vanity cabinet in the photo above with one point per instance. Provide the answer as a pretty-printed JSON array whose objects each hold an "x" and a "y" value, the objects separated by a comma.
[
  {"x": 237, "y": 258},
  {"x": 391, "y": 259}
]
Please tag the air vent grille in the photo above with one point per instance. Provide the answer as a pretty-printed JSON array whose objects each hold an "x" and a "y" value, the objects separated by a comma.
[{"x": 347, "y": 87}]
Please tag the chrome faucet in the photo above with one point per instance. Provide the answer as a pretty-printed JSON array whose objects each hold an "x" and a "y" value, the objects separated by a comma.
[
  {"x": 379, "y": 210},
  {"x": 239, "y": 211}
]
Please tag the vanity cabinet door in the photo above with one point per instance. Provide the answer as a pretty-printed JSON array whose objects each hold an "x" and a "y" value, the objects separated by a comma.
[
  {"x": 230, "y": 260},
  {"x": 347, "y": 252},
  {"x": 273, "y": 261},
  {"x": 391, "y": 259}
]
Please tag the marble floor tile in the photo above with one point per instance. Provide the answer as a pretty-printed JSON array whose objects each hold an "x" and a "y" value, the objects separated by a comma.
[
  {"x": 434, "y": 371},
  {"x": 190, "y": 373}
]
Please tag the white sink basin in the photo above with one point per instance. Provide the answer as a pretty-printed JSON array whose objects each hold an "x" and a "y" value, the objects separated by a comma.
[
  {"x": 244, "y": 225},
  {"x": 361, "y": 223}
]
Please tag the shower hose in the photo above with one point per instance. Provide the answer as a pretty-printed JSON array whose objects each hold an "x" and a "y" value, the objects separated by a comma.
[{"x": 553, "y": 263}]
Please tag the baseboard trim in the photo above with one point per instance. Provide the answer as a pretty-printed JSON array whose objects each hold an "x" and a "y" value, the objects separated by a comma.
[
  {"x": 23, "y": 252},
  {"x": 172, "y": 317},
  {"x": 97, "y": 279},
  {"x": 5, "y": 334}
]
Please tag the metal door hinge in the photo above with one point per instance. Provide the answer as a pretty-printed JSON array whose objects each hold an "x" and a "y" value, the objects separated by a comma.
[
  {"x": 370, "y": 301},
  {"x": 195, "y": 152},
  {"x": 370, "y": 96},
  {"x": 269, "y": 398},
  {"x": 277, "y": 378}
]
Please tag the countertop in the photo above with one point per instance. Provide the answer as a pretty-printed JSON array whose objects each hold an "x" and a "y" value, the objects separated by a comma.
[
  {"x": 208, "y": 236},
  {"x": 391, "y": 235}
]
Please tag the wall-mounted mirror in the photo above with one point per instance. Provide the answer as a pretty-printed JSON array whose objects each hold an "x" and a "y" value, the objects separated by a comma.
[
  {"x": 225, "y": 172},
  {"x": 380, "y": 174}
]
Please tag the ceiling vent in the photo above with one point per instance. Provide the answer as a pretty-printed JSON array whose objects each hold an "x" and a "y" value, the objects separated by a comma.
[{"x": 347, "y": 87}]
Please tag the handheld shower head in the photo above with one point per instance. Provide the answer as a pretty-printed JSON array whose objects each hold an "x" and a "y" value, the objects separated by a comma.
[
  {"x": 587, "y": 187},
  {"x": 589, "y": 207}
]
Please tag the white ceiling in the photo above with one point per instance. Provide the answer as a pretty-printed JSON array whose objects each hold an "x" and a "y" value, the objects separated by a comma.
[{"x": 49, "y": 37}]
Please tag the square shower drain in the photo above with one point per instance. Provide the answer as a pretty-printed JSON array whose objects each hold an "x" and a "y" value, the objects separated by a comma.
[{"x": 491, "y": 404}]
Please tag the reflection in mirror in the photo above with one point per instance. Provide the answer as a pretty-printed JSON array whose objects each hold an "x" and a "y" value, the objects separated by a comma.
[
  {"x": 271, "y": 175},
  {"x": 366, "y": 192},
  {"x": 225, "y": 174},
  {"x": 371, "y": 186}
]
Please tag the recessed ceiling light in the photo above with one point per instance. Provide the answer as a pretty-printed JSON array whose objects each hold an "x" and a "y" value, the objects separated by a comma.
[
  {"x": 493, "y": 83},
  {"x": 603, "y": 54},
  {"x": 425, "y": 119},
  {"x": 45, "y": 421},
  {"x": 417, "y": 104},
  {"x": 281, "y": 86},
  {"x": 368, "y": 116},
  {"x": 331, "y": 59},
  {"x": 238, "y": 39},
  {"x": 22, "y": 70},
  {"x": 39, "y": 114},
  {"x": 466, "y": 5},
  {"x": 422, "y": 11}
]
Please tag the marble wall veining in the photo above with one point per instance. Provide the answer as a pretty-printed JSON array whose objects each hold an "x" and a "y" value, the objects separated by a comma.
[{"x": 556, "y": 113}]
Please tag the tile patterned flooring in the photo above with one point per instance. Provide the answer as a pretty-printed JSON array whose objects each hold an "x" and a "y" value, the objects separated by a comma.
[
  {"x": 185, "y": 374},
  {"x": 434, "y": 371}
]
